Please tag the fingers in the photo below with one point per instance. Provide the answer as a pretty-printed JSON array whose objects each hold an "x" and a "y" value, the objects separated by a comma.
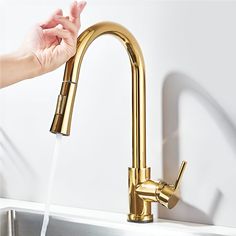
[
  {"x": 67, "y": 24},
  {"x": 75, "y": 11},
  {"x": 60, "y": 33},
  {"x": 51, "y": 21}
]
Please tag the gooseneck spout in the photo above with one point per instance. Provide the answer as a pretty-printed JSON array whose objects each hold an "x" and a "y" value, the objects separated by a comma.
[
  {"x": 142, "y": 190},
  {"x": 62, "y": 119}
]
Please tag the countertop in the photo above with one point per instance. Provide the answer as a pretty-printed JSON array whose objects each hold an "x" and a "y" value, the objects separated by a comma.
[{"x": 118, "y": 220}]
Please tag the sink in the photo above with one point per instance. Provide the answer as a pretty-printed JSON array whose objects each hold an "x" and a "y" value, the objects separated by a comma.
[
  {"x": 18, "y": 221},
  {"x": 22, "y": 223}
]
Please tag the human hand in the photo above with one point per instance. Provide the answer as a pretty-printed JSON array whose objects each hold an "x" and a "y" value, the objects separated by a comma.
[
  {"x": 54, "y": 41},
  {"x": 47, "y": 46}
]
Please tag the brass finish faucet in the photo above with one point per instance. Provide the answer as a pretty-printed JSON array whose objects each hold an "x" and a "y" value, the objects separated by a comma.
[{"x": 142, "y": 190}]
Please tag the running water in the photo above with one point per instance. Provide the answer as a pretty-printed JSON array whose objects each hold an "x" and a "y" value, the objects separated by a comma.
[{"x": 50, "y": 184}]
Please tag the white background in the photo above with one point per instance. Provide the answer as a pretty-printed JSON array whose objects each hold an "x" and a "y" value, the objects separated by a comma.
[{"x": 190, "y": 54}]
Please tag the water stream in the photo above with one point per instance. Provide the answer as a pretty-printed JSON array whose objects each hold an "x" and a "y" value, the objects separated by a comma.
[{"x": 54, "y": 162}]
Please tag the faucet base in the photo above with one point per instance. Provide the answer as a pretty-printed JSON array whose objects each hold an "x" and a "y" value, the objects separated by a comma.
[
  {"x": 140, "y": 210},
  {"x": 140, "y": 218}
]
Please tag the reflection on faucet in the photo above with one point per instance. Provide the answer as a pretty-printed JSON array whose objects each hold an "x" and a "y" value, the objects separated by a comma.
[
  {"x": 174, "y": 85},
  {"x": 10, "y": 156}
]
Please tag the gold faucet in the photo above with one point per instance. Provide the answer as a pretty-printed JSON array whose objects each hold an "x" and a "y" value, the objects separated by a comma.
[{"x": 142, "y": 190}]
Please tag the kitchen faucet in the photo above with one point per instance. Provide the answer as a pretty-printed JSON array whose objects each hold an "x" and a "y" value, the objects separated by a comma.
[{"x": 142, "y": 190}]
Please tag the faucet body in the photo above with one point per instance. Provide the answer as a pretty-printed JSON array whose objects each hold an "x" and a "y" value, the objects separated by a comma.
[{"x": 142, "y": 191}]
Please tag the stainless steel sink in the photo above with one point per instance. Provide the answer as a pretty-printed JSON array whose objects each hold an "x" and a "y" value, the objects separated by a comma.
[{"x": 22, "y": 223}]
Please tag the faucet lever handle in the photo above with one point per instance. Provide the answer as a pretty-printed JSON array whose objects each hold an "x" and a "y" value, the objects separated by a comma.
[
  {"x": 160, "y": 191},
  {"x": 180, "y": 174}
]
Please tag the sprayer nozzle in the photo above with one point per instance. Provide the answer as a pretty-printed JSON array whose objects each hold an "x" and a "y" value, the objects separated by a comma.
[{"x": 57, "y": 126}]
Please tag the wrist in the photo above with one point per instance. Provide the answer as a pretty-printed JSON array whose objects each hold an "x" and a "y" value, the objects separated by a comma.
[
  {"x": 18, "y": 66},
  {"x": 29, "y": 62}
]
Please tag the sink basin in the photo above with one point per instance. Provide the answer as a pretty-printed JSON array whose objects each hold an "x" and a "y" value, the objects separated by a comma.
[{"x": 23, "y": 223}]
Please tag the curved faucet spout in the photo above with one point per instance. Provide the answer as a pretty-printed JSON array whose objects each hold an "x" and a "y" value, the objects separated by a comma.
[{"x": 63, "y": 116}]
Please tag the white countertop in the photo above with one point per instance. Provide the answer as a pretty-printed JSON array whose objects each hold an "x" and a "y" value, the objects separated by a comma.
[{"x": 118, "y": 221}]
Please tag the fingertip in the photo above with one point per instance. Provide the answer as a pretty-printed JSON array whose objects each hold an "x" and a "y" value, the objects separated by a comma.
[
  {"x": 73, "y": 9},
  {"x": 59, "y": 12},
  {"x": 82, "y": 5},
  {"x": 74, "y": 5},
  {"x": 51, "y": 21},
  {"x": 77, "y": 8}
]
